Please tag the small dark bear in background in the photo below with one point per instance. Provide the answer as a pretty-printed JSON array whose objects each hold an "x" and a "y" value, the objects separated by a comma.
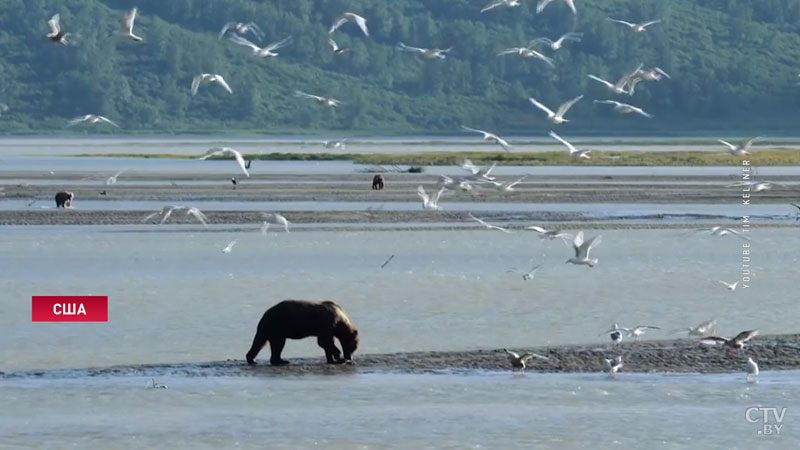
[
  {"x": 298, "y": 319},
  {"x": 377, "y": 182},
  {"x": 64, "y": 199}
]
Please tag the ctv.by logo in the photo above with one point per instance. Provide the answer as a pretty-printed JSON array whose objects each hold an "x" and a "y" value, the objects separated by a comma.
[{"x": 771, "y": 419}]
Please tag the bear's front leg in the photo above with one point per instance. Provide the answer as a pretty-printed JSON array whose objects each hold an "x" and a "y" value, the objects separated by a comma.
[{"x": 332, "y": 353}]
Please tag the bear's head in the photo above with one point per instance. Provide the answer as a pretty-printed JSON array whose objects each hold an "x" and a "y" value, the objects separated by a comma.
[{"x": 349, "y": 343}]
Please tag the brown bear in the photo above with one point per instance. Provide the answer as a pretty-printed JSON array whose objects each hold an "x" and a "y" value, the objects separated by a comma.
[
  {"x": 64, "y": 199},
  {"x": 298, "y": 319},
  {"x": 377, "y": 182}
]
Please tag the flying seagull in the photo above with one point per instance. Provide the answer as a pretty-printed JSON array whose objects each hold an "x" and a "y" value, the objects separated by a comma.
[
  {"x": 335, "y": 47},
  {"x": 756, "y": 186},
  {"x": 543, "y": 4},
  {"x": 752, "y": 370},
  {"x": 347, "y": 17},
  {"x": 637, "y": 27},
  {"x": 227, "y": 151},
  {"x": 529, "y": 274},
  {"x": 229, "y": 247},
  {"x": 520, "y": 361},
  {"x": 207, "y": 78},
  {"x": 263, "y": 52},
  {"x": 56, "y": 34},
  {"x": 324, "y": 101},
  {"x": 582, "y": 250},
  {"x": 640, "y": 330},
  {"x": 243, "y": 28},
  {"x": 574, "y": 152},
  {"x": 731, "y": 286},
  {"x": 720, "y": 231},
  {"x": 507, "y": 186},
  {"x": 91, "y": 119},
  {"x": 168, "y": 210},
  {"x": 624, "y": 108},
  {"x": 126, "y": 26},
  {"x": 558, "y": 43},
  {"x": 740, "y": 148},
  {"x": 278, "y": 219},
  {"x": 427, "y": 201},
  {"x": 736, "y": 342},
  {"x": 612, "y": 366},
  {"x": 558, "y": 116},
  {"x": 704, "y": 329},
  {"x": 619, "y": 86},
  {"x": 490, "y": 137},
  {"x": 498, "y": 3},
  {"x": 153, "y": 385},
  {"x": 425, "y": 53},
  {"x": 488, "y": 225},
  {"x": 478, "y": 173},
  {"x": 550, "y": 234},
  {"x": 527, "y": 52},
  {"x": 335, "y": 144},
  {"x": 113, "y": 179}
]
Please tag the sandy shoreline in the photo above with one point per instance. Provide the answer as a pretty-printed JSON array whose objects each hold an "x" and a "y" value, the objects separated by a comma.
[{"x": 776, "y": 352}]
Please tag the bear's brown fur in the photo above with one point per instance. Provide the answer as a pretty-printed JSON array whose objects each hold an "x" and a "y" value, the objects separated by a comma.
[
  {"x": 377, "y": 182},
  {"x": 64, "y": 199},
  {"x": 298, "y": 319}
]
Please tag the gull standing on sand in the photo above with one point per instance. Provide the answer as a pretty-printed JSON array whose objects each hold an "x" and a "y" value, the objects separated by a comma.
[
  {"x": 582, "y": 250},
  {"x": 731, "y": 286},
  {"x": 752, "y": 370},
  {"x": 229, "y": 247},
  {"x": 262, "y": 52},
  {"x": 741, "y": 148},
  {"x": 488, "y": 225},
  {"x": 612, "y": 366},
  {"x": 619, "y": 86},
  {"x": 519, "y": 361},
  {"x": 558, "y": 43},
  {"x": 573, "y": 152},
  {"x": 425, "y": 53},
  {"x": 543, "y": 4},
  {"x": 91, "y": 119},
  {"x": 324, "y": 101},
  {"x": 558, "y": 116},
  {"x": 636, "y": 27},
  {"x": 113, "y": 179},
  {"x": 242, "y": 28},
  {"x": 335, "y": 47},
  {"x": 736, "y": 342},
  {"x": 427, "y": 201},
  {"x": 507, "y": 186},
  {"x": 497, "y": 3},
  {"x": 347, "y": 17},
  {"x": 227, "y": 151},
  {"x": 490, "y": 137},
  {"x": 527, "y": 52},
  {"x": 550, "y": 234},
  {"x": 704, "y": 329},
  {"x": 207, "y": 78},
  {"x": 624, "y": 108},
  {"x": 126, "y": 26},
  {"x": 56, "y": 34}
]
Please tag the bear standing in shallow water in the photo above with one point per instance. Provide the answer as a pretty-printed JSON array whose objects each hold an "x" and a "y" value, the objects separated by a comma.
[
  {"x": 64, "y": 199},
  {"x": 298, "y": 319},
  {"x": 377, "y": 182}
]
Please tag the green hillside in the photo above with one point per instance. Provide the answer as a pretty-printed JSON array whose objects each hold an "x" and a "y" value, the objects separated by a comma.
[{"x": 734, "y": 66}]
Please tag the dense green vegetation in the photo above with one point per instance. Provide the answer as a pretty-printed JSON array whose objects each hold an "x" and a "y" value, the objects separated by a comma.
[
  {"x": 775, "y": 157},
  {"x": 734, "y": 65}
]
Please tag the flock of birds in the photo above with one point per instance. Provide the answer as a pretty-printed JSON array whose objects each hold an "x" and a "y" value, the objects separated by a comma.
[{"x": 625, "y": 85}]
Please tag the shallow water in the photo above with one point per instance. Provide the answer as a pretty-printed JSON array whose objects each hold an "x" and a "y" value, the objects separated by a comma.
[{"x": 375, "y": 411}]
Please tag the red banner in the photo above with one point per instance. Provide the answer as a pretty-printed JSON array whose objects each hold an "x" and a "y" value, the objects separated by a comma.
[{"x": 63, "y": 308}]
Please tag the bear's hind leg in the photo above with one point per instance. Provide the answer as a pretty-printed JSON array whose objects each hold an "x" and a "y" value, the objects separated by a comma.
[
  {"x": 332, "y": 353},
  {"x": 276, "y": 346},
  {"x": 259, "y": 341}
]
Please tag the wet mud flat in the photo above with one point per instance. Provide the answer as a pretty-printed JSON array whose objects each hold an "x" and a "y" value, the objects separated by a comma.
[{"x": 776, "y": 352}]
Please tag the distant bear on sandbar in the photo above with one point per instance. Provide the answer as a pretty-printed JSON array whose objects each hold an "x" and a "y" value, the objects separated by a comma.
[
  {"x": 298, "y": 319},
  {"x": 377, "y": 182},
  {"x": 64, "y": 199}
]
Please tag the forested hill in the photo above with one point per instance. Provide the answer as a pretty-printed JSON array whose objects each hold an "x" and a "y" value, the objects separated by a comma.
[{"x": 734, "y": 64}]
